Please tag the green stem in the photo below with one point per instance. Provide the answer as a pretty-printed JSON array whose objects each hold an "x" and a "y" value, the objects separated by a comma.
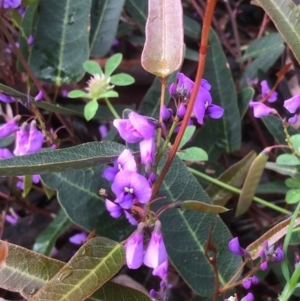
[
  {"x": 236, "y": 190},
  {"x": 111, "y": 108}
]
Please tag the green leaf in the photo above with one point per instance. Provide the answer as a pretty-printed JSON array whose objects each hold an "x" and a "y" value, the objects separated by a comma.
[
  {"x": 272, "y": 187},
  {"x": 27, "y": 182},
  {"x": 27, "y": 29},
  {"x": 285, "y": 15},
  {"x": 233, "y": 176},
  {"x": 287, "y": 159},
  {"x": 274, "y": 125},
  {"x": 92, "y": 265},
  {"x": 151, "y": 101},
  {"x": 78, "y": 94},
  {"x": 29, "y": 275},
  {"x": 244, "y": 97},
  {"x": 193, "y": 153},
  {"x": 191, "y": 54},
  {"x": 84, "y": 206},
  {"x": 109, "y": 94},
  {"x": 56, "y": 55},
  {"x": 191, "y": 28},
  {"x": 138, "y": 10},
  {"x": 261, "y": 64},
  {"x": 188, "y": 133},
  {"x": 186, "y": 232},
  {"x": 124, "y": 29},
  {"x": 203, "y": 207},
  {"x": 224, "y": 134},
  {"x": 77, "y": 157},
  {"x": 112, "y": 64},
  {"x": 293, "y": 196},
  {"x": 90, "y": 109},
  {"x": 292, "y": 183},
  {"x": 264, "y": 45},
  {"x": 295, "y": 140},
  {"x": 252, "y": 179},
  {"x": 92, "y": 68},
  {"x": 122, "y": 79},
  {"x": 105, "y": 15},
  {"x": 46, "y": 240},
  {"x": 115, "y": 292},
  {"x": 284, "y": 169}
]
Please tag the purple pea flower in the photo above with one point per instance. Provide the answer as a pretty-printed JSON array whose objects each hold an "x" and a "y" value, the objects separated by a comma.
[
  {"x": 138, "y": 128},
  {"x": 5, "y": 153},
  {"x": 78, "y": 239},
  {"x": 130, "y": 218},
  {"x": 248, "y": 297},
  {"x": 203, "y": 104},
  {"x": 181, "y": 111},
  {"x": 293, "y": 119},
  {"x": 35, "y": 139},
  {"x": 162, "y": 270},
  {"x": 264, "y": 265},
  {"x": 165, "y": 113},
  {"x": 265, "y": 89},
  {"x": 39, "y": 96},
  {"x": 10, "y": 127},
  {"x": 21, "y": 140},
  {"x": 30, "y": 41},
  {"x": 128, "y": 186},
  {"x": 292, "y": 104},
  {"x": 247, "y": 283},
  {"x": 125, "y": 161},
  {"x": 6, "y": 98},
  {"x": 156, "y": 252},
  {"x": 35, "y": 180},
  {"x": 113, "y": 209},
  {"x": 10, "y": 3},
  {"x": 103, "y": 130},
  {"x": 12, "y": 217},
  {"x": 135, "y": 249},
  {"x": 259, "y": 109},
  {"x": 254, "y": 279},
  {"x": 234, "y": 247}
]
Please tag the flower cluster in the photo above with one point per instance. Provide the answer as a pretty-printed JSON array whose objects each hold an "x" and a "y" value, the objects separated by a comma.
[{"x": 260, "y": 109}]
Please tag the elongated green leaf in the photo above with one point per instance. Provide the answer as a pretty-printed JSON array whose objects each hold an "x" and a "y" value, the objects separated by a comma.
[
  {"x": 78, "y": 194},
  {"x": 261, "y": 65},
  {"x": 163, "y": 50},
  {"x": 272, "y": 187},
  {"x": 274, "y": 125},
  {"x": 92, "y": 265},
  {"x": 252, "y": 179},
  {"x": 27, "y": 30},
  {"x": 46, "y": 240},
  {"x": 285, "y": 169},
  {"x": 24, "y": 99},
  {"x": 285, "y": 15},
  {"x": 191, "y": 27},
  {"x": 151, "y": 101},
  {"x": 203, "y": 207},
  {"x": 138, "y": 10},
  {"x": 272, "y": 236},
  {"x": 264, "y": 45},
  {"x": 194, "y": 154},
  {"x": 186, "y": 233},
  {"x": 287, "y": 159},
  {"x": 224, "y": 134},
  {"x": 105, "y": 15},
  {"x": 115, "y": 292},
  {"x": 26, "y": 272},
  {"x": 61, "y": 43},
  {"x": 244, "y": 97},
  {"x": 234, "y": 176},
  {"x": 76, "y": 157}
]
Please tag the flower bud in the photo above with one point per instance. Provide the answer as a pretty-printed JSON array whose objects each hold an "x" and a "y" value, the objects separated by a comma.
[{"x": 134, "y": 248}]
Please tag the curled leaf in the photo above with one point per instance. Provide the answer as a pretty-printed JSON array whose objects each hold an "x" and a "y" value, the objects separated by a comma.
[
  {"x": 203, "y": 207},
  {"x": 163, "y": 50}
]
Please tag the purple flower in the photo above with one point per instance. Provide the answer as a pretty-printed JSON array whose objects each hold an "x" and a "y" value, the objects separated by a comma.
[
  {"x": 12, "y": 218},
  {"x": 21, "y": 140},
  {"x": 125, "y": 161},
  {"x": 181, "y": 111},
  {"x": 113, "y": 209},
  {"x": 39, "y": 96},
  {"x": 260, "y": 109},
  {"x": 134, "y": 248},
  {"x": 165, "y": 113},
  {"x": 128, "y": 186},
  {"x": 292, "y": 104},
  {"x": 156, "y": 252},
  {"x": 6, "y": 98},
  {"x": 162, "y": 270},
  {"x": 265, "y": 89},
  {"x": 35, "y": 139},
  {"x": 10, "y": 3},
  {"x": 293, "y": 119},
  {"x": 10, "y": 127},
  {"x": 130, "y": 218},
  {"x": 35, "y": 180},
  {"x": 264, "y": 266},
  {"x": 5, "y": 153},
  {"x": 278, "y": 254},
  {"x": 147, "y": 149},
  {"x": 254, "y": 280},
  {"x": 247, "y": 283},
  {"x": 248, "y": 297},
  {"x": 103, "y": 130},
  {"x": 30, "y": 41},
  {"x": 203, "y": 104},
  {"x": 234, "y": 247},
  {"x": 78, "y": 239}
]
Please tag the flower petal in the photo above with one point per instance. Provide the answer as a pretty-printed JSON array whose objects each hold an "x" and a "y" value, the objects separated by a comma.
[
  {"x": 142, "y": 125},
  {"x": 141, "y": 187},
  {"x": 259, "y": 109},
  {"x": 214, "y": 111},
  {"x": 127, "y": 131},
  {"x": 292, "y": 104},
  {"x": 147, "y": 149}
]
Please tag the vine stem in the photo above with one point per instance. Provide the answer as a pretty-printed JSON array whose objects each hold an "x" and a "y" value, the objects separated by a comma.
[{"x": 202, "y": 58}]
